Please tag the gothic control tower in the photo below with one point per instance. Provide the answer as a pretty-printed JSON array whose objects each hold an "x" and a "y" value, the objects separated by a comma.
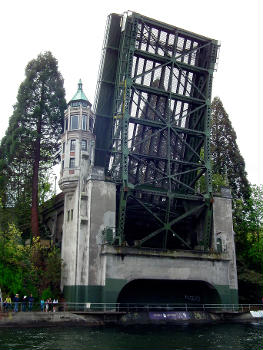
[
  {"x": 82, "y": 184},
  {"x": 77, "y": 161}
]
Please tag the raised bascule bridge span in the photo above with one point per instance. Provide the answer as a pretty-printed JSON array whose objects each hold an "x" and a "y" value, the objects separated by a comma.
[{"x": 152, "y": 231}]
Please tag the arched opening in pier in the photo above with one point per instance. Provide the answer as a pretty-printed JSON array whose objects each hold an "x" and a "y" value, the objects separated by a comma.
[{"x": 145, "y": 291}]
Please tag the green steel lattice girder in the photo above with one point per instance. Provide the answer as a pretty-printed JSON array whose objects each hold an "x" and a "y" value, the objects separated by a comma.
[{"x": 153, "y": 120}]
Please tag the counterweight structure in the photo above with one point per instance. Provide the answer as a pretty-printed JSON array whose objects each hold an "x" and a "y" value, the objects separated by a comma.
[{"x": 152, "y": 131}]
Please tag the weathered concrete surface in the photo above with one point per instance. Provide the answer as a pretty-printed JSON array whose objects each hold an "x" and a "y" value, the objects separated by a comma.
[
  {"x": 42, "y": 319},
  {"x": 94, "y": 207},
  {"x": 46, "y": 319},
  {"x": 103, "y": 270},
  {"x": 131, "y": 264},
  {"x": 223, "y": 233}
]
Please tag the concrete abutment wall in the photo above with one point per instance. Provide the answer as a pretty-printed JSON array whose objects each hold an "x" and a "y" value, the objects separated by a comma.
[{"x": 105, "y": 271}]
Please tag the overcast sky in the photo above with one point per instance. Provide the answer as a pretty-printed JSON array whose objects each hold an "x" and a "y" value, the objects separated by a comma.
[{"x": 73, "y": 31}]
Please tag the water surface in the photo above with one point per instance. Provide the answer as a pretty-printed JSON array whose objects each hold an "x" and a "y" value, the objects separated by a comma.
[{"x": 205, "y": 337}]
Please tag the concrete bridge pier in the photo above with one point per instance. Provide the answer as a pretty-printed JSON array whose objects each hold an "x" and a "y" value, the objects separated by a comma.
[{"x": 110, "y": 274}]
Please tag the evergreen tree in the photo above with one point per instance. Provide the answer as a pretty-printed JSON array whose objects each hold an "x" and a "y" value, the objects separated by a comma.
[
  {"x": 226, "y": 158},
  {"x": 229, "y": 164},
  {"x": 32, "y": 138}
]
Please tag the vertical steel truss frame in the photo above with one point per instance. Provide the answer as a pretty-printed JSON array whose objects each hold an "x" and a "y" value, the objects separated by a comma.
[{"x": 188, "y": 130}]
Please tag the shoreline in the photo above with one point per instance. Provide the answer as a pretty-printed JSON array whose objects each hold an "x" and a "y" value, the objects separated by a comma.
[{"x": 91, "y": 319}]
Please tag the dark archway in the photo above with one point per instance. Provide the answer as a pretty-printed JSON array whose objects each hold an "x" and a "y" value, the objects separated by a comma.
[{"x": 168, "y": 292}]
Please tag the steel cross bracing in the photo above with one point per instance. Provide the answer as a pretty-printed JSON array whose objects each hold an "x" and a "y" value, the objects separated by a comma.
[{"x": 159, "y": 150}]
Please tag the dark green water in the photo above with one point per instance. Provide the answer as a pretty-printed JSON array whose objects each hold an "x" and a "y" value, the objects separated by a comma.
[{"x": 208, "y": 337}]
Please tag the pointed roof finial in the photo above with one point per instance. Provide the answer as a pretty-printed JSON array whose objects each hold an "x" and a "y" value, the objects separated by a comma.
[{"x": 79, "y": 95}]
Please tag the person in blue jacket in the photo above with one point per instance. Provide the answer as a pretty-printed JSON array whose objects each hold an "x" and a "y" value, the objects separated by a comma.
[
  {"x": 30, "y": 302},
  {"x": 24, "y": 303},
  {"x": 16, "y": 301}
]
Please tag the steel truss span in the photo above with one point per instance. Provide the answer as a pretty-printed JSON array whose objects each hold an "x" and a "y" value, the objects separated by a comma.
[{"x": 152, "y": 128}]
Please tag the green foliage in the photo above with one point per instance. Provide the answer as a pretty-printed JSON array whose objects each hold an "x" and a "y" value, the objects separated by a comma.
[
  {"x": 13, "y": 260},
  {"x": 28, "y": 269},
  {"x": 218, "y": 181},
  {"x": 229, "y": 170},
  {"x": 44, "y": 189},
  {"x": 226, "y": 158},
  {"x": 250, "y": 284},
  {"x": 248, "y": 225},
  {"x": 255, "y": 250},
  {"x": 32, "y": 139},
  {"x": 46, "y": 294}
]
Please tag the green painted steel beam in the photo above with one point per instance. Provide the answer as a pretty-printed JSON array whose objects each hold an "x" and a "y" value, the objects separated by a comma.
[
  {"x": 167, "y": 61},
  {"x": 173, "y": 29},
  {"x": 167, "y": 94},
  {"x": 158, "y": 125},
  {"x": 153, "y": 120},
  {"x": 164, "y": 193},
  {"x": 153, "y": 157},
  {"x": 169, "y": 225}
]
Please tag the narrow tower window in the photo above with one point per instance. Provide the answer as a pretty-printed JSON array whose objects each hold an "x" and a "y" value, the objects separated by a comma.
[
  {"x": 91, "y": 124},
  {"x": 84, "y": 145},
  {"x": 72, "y": 162},
  {"x": 72, "y": 145},
  {"x": 74, "y": 122},
  {"x": 84, "y": 122}
]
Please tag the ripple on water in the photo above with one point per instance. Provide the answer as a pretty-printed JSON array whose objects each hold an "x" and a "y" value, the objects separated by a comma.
[{"x": 223, "y": 336}]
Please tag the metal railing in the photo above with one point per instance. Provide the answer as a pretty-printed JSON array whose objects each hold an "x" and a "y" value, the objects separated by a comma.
[{"x": 126, "y": 307}]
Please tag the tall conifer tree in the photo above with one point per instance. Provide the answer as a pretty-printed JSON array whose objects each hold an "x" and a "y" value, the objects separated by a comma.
[
  {"x": 226, "y": 158},
  {"x": 32, "y": 138}
]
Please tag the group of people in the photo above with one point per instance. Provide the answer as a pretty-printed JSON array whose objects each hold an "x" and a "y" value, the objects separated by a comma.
[
  {"x": 26, "y": 303},
  {"x": 48, "y": 305}
]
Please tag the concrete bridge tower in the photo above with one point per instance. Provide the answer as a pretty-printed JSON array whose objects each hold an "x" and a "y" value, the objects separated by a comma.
[{"x": 79, "y": 180}]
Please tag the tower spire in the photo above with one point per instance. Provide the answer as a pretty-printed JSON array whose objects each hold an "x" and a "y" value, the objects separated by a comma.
[{"x": 80, "y": 95}]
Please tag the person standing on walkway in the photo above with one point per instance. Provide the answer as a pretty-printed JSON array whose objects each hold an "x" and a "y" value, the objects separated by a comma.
[
  {"x": 30, "y": 302},
  {"x": 24, "y": 303},
  {"x": 47, "y": 305},
  {"x": 8, "y": 303},
  {"x": 42, "y": 304},
  {"x": 16, "y": 301},
  {"x": 55, "y": 303}
]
